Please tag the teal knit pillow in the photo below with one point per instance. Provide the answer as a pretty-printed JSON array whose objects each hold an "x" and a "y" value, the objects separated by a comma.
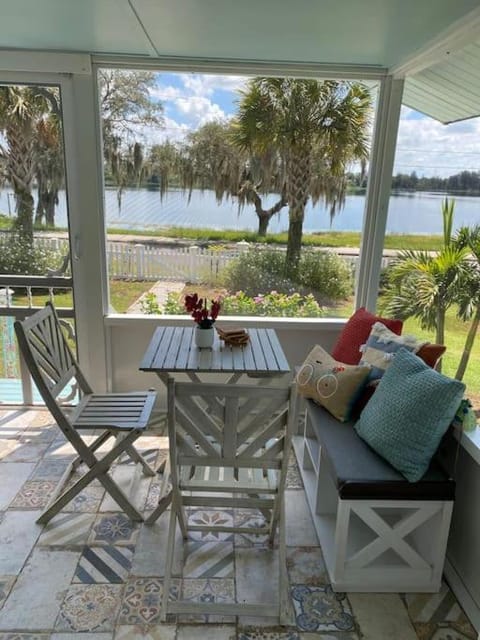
[{"x": 409, "y": 413}]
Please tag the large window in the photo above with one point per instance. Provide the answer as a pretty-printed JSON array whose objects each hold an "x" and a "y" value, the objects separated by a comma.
[
  {"x": 425, "y": 266},
  {"x": 248, "y": 189}
]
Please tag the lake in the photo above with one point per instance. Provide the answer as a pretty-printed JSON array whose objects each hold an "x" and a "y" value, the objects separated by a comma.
[{"x": 415, "y": 213}]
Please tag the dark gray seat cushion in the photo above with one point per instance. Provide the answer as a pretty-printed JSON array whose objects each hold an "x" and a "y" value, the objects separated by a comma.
[{"x": 360, "y": 473}]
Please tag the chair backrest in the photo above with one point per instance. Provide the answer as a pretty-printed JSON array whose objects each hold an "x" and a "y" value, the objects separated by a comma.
[
  {"x": 235, "y": 426},
  {"x": 48, "y": 356}
]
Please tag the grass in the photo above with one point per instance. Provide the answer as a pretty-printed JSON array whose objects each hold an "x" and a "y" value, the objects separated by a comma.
[
  {"x": 122, "y": 295},
  {"x": 319, "y": 239}
]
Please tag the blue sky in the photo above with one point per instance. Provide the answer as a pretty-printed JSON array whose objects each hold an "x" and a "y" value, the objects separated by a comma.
[{"x": 424, "y": 145}]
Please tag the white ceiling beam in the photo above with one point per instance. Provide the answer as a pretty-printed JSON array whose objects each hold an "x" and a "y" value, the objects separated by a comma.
[
  {"x": 45, "y": 62},
  {"x": 455, "y": 37},
  {"x": 245, "y": 67}
]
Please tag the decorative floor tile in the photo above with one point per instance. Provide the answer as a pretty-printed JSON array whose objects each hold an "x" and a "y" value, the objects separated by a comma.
[
  {"x": 210, "y": 517},
  {"x": 338, "y": 635},
  {"x": 87, "y": 501},
  {"x": 147, "y": 632},
  {"x": 27, "y": 452},
  {"x": 85, "y": 636},
  {"x": 153, "y": 495},
  {"x": 40, "y": 433},
  {"x": 53, "y": 570},
  {"x": 208, "y": 560},
  {"x": 89, "y": 608},
  {"x": 300, "y": 531},
  {"x": 381, "y": 615},
  {"x": 18, "y": 534},
  {"x": 67, "y": 529},
  {"x": 427, "y": 610},
  {"x": 104, "y": 564},
  {"x": 132, "y": 481},
  {"x": 320, "y": 609},
  {"x": 267, "y": 633},
  {"x": 249, "y": 518},
  {"x": 142, "y": 601},
  {"x": 151, "y": 550},
  {"x": 6, "y": 583},
  {"x": 12, "y": 477},
  {"x": 33, "y": 495},
  {"x": 16, "y": 635},
  {"x": 49, "y": 469},
  {"x": 306, "y": 566},
  {"x": 215, "y": 632},
  {"x": 115, "y": 529},
  {"x": 430, "y": 631},
  {"x": 208, "y": 591}
]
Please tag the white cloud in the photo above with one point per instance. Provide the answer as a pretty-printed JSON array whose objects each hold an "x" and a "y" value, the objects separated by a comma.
[
  {"x": 198, "y": 110},
  {"x": 166, "y": 92},
  {"x": 431, "y": 148},
  {"x": 205, "y": 85}
]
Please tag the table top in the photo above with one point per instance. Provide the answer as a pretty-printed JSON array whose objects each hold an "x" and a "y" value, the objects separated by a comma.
[{"x": 172, "y": 349}]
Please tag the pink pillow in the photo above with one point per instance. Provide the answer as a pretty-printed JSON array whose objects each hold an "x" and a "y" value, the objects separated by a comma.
[{"x": 356, "y": 332}]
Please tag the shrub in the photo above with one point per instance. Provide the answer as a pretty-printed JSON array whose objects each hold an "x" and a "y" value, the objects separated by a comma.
[
  {"x": 258, "y": 271},
  {"x": 328, "y": 276},
  {"x": 322, "y": 273},
  {"x": 19, "y": 257}
]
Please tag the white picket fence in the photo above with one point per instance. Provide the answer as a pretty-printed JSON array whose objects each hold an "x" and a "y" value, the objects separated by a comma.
[{"x": 150, "y": 262}]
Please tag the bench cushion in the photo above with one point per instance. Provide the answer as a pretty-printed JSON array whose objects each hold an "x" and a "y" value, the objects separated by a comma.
[{"x": 361, "y": 474}]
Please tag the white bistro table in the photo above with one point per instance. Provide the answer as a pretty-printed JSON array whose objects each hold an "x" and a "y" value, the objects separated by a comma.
[{"x": 172, "y": 350}]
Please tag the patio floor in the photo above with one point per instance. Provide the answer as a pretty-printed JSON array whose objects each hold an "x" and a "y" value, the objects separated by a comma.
[{"x": 92, "y": 571}]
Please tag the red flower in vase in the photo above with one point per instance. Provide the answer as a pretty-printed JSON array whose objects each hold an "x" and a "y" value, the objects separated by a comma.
[{"x": 198, "y": 308}]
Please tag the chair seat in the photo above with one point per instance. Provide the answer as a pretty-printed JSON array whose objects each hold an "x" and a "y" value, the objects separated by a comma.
[
  {"x": 114, "y": 411},
  {"x": 218, "y": 479}
]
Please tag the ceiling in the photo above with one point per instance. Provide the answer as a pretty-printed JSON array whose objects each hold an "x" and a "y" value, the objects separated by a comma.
[{"x": 372, "y": 33}]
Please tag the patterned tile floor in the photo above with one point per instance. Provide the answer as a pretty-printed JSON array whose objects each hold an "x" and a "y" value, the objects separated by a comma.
[{"x": 92, "y": 572}]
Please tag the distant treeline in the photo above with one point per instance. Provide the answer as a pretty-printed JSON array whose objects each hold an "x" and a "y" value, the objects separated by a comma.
[{"x": 466, "y": 182}]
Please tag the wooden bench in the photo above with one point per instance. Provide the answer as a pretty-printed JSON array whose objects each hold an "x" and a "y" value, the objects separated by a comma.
[{"x": 378, "y": 531}]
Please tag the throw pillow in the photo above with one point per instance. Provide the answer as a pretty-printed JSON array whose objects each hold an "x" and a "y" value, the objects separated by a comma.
[
  {"x": 409, "y": 413},
  {"x": 334, "y": 385},
  {"x": 356, "y": 332},
  {"x": 431, "y": 353},
  {"x": 381, "y": 347}
]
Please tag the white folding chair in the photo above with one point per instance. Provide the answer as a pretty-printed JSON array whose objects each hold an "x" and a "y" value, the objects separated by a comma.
[
  {"x": 229, "y": 447},
  {"x": 121, "y": 416}
]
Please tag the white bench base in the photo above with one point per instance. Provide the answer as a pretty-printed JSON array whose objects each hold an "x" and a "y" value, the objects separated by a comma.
[{"x": 374, "y": 545}]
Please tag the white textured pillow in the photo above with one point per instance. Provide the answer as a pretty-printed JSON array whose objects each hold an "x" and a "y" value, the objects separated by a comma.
[{"x": 381, "y": 347}]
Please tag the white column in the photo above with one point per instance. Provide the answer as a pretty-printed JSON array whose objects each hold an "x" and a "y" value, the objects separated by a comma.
[
  {"x": 378, "y": 191},
  {"x": 87, "y": 229}
]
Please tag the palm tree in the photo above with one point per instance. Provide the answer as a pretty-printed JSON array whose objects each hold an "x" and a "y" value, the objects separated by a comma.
[
  {"x": 469, "y": 292},
  {"x": 424, "y": 285},
  {"x": 314, "y": 130},
  {"x": 21, "y": 110},
  {"x": 49, "y": 171}
]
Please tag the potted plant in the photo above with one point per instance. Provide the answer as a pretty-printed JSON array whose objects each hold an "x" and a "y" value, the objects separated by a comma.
[{"x": 204, "y": 316}]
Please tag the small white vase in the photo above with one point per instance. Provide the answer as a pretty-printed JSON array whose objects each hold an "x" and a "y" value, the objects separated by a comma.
[{"x": 204, "y": 337}]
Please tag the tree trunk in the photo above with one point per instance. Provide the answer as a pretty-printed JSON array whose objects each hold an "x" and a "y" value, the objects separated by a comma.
[
  {"x": 440, "y": 332},
  {"x": 24, "y": 220},
  {"x": 299, "y": 174},
  {"x": 51, "y": 201},
  {"x": 467, "y": 349},
  {"x": 294, "y": 247},
  {"x": 263, "y": 221}
]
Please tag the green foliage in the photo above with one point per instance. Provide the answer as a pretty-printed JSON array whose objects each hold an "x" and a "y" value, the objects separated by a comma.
[
  {"x": 19, "y": 257},
  {"x": 256, "y": 272},
  {"x": 323, "y": 274},
  {"x": 273, "y": 304},
  {"x": 326, "y": 274}
]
